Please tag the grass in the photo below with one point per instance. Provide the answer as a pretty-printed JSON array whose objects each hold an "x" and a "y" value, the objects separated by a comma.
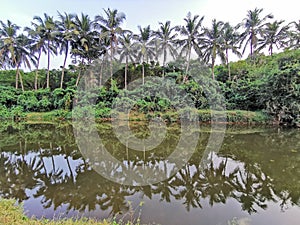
[
  {"x": 13, "y": 214},
  {"x": 204, "y": 116}
]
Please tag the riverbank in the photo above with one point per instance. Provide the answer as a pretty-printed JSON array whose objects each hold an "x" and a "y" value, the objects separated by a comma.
[
  {"x": 204, "y": 116},
  {"x": 11, "y": 213}
]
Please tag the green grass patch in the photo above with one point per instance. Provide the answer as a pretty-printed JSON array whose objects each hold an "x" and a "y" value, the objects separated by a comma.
[
  {"x": 49, "y": 116},
  {"x": 13, "y": 214},
  {"x": 204, "y": 116}
]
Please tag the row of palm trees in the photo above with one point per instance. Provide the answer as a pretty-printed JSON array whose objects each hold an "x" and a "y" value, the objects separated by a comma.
[{"x": 83, "y": 40}]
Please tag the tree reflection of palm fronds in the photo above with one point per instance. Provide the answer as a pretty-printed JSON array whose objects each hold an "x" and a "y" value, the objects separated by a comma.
[
  {"x": 17, "y": 175},
  {"x": 251, "y": 190},
  {"x": 214, "y": 184},
  {"x": 187, "y": 188}
]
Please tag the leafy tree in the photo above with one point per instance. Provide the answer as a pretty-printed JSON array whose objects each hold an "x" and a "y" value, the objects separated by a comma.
[{"x": 281, "y": 92}]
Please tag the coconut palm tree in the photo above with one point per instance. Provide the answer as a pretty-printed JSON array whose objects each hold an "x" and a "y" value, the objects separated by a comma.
[
  {"x": 48, "y": 34},
  {"x": 213, "y": 44},
  {"x": 253, "y": 25},
  {"x": 294, "y": 35},
  {"x": 191, "y": 33},
  {"x": 37, "y": 47},
  {"x": 273, "y": 35},
  {"x": 86, "y": 44},
  {"x": 14, "y": 49},
  {"x": 23, "y": 55},
  {"x": 145, "y": 46},
  {"x": 110, "y": 27},
  {"x": 8, "y": 33},
  {"x": 166, "y": 38},
  {"x": 231, "y": 43},
  {"x": 127, "y": 51},
  {"x": 66, "y": 28},
  {"x": 84, "y": 41}
]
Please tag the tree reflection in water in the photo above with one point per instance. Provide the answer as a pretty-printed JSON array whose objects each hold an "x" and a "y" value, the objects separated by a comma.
[{"x": 253, "y": 168}]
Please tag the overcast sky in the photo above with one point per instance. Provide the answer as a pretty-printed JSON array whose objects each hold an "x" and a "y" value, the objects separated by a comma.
[{"x": 149, "y": 12}]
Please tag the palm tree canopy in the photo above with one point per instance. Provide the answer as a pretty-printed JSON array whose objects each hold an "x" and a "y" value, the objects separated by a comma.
[
  {"x": 231, "y": 40},
  {"x": 14, "y": 48},
  {"x": 253, "y": 24},
  {"x": 145, "y": 44},
  {"x": 166, "y": 40},
  {"x": 213, "y": 42},
  {"x": 8, "y": 34},
  {"x": 273, "y": 34},
  {"x": 191, "y": 32},
  {"x": 66, "y": 27},
  {"x": 294, "y": 35},
  {"x": 23, "y": 55},
  {"x": 110, "y": 26},
  {"x": 127, "y": 47},
  {"x": 85, "y": 44}
]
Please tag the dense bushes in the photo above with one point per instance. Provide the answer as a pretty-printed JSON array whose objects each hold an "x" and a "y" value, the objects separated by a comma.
[
  {"x": 42, "y": 100},
  {"x": 269, "y": 83}
]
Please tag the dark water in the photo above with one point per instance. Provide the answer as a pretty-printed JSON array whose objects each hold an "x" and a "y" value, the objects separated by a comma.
[{"x": 253, "y": 179}]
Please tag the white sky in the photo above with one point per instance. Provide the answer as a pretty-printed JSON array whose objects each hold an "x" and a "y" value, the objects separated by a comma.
[{"x": 145, "y": 12}]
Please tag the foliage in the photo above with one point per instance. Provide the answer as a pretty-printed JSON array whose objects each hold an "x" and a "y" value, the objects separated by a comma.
[
  {"x": 282, "y": 90},
  {"x": 269, "y": 83}
]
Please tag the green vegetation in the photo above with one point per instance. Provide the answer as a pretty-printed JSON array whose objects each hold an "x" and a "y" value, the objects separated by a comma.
[
  {"x": 257, "y": 93},
  {"x": 266, "y": 85},
  {"x": 11, "y": 213}
]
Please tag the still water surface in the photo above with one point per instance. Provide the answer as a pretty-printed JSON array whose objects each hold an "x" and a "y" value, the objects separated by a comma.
[{"x": 253, "y": 179}]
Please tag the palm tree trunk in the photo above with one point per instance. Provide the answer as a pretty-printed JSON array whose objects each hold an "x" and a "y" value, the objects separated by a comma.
[
  {"x": 78, "y": 78},
  {"x": 213, "y": 68},
  {"x": 251, "y": 46},
  {"x": 64, "y": 65},
  {"x": 36, "y": 72},
  {"x": 188, "y": 64},
  {"x": 111, "y": 57},
  {"x": 126, "y": 70},
  {"x": 228, "y": 65},
  {"x": 100, "y": 76},
  {"x": 79, "y": 74},
  {"x": 21, "y": 81},
  {"x": 164, "y": 63},
  {"x": 17, "y": 78},
  {"x": 18, "y": 75},
  {"x": 48, "y": 68},
  {"x": 143, "y": 73}
]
